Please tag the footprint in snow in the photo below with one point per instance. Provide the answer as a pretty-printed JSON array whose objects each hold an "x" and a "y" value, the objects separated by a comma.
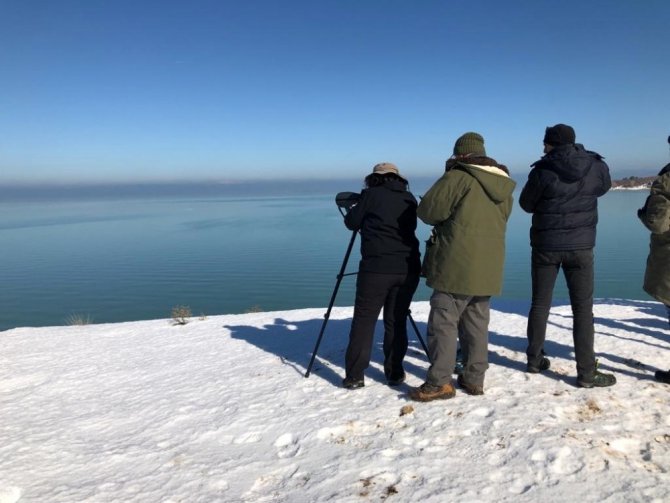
[
  {"x": 482, "y": 412},
  {"x": 287, "y": 446},
  {"x": 248, "y": 438},
  {"x": 564, "y": 461}
]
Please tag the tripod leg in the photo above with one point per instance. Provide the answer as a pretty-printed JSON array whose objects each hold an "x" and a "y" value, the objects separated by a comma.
[
  {"x": 332, "y": 301},
  {"x": 418, "y": 335}
]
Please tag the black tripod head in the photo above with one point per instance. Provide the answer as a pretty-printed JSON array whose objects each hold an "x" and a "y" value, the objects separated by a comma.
[{"x": 346, "y": 200}]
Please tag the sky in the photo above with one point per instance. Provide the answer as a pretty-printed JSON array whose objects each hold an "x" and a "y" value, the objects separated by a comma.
[
  {"x": 137, "y": 90},
  {"x": 219, "y": 410}
]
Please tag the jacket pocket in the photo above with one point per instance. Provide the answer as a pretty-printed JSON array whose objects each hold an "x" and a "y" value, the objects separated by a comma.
[
  {"x": 428, "y": 256},
  {"x": 442, "y": 300}
]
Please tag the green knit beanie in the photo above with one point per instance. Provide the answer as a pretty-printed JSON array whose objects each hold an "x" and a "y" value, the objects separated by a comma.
[{"x": 470, "y": 143}]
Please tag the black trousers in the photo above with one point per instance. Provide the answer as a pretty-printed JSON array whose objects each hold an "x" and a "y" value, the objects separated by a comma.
[
  {"x": 577, "y": 266},
  {"x": 374, "y": 291}
]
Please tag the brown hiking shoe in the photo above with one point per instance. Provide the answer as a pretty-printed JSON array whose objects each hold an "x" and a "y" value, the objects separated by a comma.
[
  {"x": 427, "y": 392},
  {"x": 470, "y": 389}
]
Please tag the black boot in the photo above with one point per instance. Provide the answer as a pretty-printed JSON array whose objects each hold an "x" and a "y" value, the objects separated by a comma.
[
  {"x": 352, "y": 383},
  {"x": 663, "y": 376}
]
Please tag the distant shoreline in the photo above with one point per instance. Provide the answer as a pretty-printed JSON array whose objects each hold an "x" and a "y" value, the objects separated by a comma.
[{"x": 633, "y": 183}]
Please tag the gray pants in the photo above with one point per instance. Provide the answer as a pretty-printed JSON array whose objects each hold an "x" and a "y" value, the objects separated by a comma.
[{"x": 447, "y": 312}]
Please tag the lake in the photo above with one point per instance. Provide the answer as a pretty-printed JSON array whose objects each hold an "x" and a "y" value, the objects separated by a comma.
[{"x": 135, "y": 258}]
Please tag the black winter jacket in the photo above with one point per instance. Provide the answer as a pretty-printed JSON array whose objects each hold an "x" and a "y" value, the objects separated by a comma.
[
  {"x": 386, "y": 217},
  {"x": 562, "y": 193}
]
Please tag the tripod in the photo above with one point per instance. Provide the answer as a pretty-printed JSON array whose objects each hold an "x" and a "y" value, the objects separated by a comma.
[{"x": 332, "y": 301}]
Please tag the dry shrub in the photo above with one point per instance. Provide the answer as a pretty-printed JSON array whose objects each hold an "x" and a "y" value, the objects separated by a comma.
[
  {"x": 78, "y": 319},
  {"x": 181, "y": 314}
]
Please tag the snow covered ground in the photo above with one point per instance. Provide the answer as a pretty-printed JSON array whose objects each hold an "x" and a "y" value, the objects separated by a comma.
[{"x": 220, "y": 410}]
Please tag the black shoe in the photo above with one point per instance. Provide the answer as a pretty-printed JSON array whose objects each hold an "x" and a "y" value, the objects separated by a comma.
[
  {"x": 544, "y": 364},
  {"x": 351, "y": 383},
  {"x": 663, "y": 376},
  {"x": 396, "y": 381},
  {"x": 470, "y": 389},
  {"x": 598, "y": 380}
]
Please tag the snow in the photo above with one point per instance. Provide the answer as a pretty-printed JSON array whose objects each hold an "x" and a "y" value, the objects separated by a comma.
[
  {"x": 637, "y": 187},
  {"x": 219, "y": 410}
]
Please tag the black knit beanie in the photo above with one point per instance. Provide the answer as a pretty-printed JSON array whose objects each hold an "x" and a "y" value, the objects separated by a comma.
[{"x": 560, "y": 134}]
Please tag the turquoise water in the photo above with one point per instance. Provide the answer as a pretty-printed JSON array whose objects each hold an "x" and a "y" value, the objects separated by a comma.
[{"x": 121, "y": 260}]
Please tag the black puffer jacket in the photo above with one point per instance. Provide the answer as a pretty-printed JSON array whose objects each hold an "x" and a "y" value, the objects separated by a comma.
[
  {"x": 386, "y": 217},
  {"x": 562, "y": 193}
]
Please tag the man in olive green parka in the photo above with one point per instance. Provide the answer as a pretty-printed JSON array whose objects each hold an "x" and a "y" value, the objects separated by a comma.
[{"x": 469, "y": 207}]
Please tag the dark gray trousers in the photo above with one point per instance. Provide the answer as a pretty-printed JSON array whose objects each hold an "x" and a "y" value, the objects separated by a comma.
[
  {"x": 448, "y": 312},
  {"x": 577, "y": 266}
]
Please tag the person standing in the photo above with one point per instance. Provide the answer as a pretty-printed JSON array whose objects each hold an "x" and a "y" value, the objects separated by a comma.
[
  {"x": 562, "y": 193},
  {"x": 655, "y": 215},
  {"x": 388, "y": 273},
  {"x": 469, "y": 207}
]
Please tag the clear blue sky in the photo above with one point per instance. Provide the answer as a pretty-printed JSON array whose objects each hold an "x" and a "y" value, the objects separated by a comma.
[{"x": 133, "y": 90}]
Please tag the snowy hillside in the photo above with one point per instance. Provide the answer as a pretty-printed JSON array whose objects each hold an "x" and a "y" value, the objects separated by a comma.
[{"x": 220, "y": 410}]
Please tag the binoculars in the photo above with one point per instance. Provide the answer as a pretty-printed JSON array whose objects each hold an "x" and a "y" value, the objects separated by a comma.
[{"x": 345, "y": 200}]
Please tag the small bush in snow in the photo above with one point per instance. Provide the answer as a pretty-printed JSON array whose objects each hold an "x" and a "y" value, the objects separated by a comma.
[{"x": 181, "y": 314}]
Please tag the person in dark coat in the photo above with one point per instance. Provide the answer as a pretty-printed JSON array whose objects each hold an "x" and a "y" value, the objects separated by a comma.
[
  {"x": 388, "y": 273},
  {"x": 562, "y": 193},
  {"x": 655, "y": 215}
]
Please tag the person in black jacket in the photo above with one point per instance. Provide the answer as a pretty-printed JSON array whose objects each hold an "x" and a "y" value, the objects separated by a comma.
[
  {"x": 562, "y": 193},
  {"x": 388, "y": 272}
]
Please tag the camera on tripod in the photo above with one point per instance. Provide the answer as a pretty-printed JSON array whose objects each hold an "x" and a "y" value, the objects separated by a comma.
[{"x": 346, "y": 200}]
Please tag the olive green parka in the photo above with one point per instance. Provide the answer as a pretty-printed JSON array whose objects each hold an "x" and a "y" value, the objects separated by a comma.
[
  {"x": 655, "y": 215},
  {"x": 469, "y": 208}
]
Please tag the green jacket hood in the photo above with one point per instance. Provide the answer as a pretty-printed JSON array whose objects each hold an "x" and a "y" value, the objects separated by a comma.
[{"x": 497, "y": 184}]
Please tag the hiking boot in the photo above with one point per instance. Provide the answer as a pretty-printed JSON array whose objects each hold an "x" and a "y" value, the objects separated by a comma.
[
  {"x": 470, "y": 389},
  {"x": 427, "y": 392},
  {"x": 663, "y": 376},
  {"x": 396, "y": 381},
  {"x": 598, "y": 380},
  {"x": 352, "y": 383},
  {"x": 544, "y": 364}
]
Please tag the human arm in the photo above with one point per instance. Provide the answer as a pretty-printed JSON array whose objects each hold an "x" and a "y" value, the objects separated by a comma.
[
  {"x": 354, "y": 217},
  {"x": 531, "y": 192},
  {"x": 655, "y": 215},
  {"x": 606, "y": 180},
  {"x": 439, "y": 203}
]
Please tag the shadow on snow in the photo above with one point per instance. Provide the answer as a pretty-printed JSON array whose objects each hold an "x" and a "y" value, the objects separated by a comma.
[{"x": 293, "y": 342}]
